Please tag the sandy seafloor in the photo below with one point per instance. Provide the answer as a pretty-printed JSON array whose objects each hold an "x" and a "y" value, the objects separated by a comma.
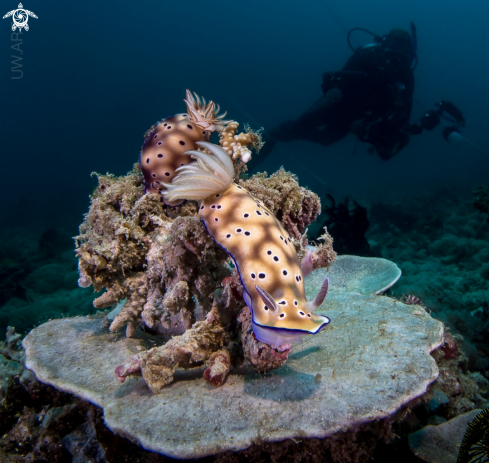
[{"x": 440, "y": 242}]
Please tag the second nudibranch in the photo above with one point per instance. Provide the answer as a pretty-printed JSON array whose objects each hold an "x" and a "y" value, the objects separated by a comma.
[
  {"x": 260, "y": 247},
  {"x": 165, "y": 144}
]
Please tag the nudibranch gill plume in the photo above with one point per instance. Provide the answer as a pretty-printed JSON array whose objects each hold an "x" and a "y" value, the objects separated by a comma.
[
  {"x": 167, "y": 141},
  {"x": 260, "y": 247}
]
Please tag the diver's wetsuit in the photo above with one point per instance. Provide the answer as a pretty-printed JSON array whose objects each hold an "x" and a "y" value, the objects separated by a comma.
[{"x": 375, "y": 104}]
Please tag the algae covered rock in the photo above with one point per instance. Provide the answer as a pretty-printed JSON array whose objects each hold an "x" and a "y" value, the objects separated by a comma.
[
  {"x": 372, "y": 360},
  {"x": 140, "y": 250},
  {"x": 161, "y": 260}
]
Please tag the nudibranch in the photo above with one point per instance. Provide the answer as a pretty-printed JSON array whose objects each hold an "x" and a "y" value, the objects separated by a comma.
[
  {"x": 167, "y": 141},
  {"x": 260, "y": 247}
]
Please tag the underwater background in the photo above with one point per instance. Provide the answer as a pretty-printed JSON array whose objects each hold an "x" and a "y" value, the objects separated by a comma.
[{"x": 97, "y": 75}]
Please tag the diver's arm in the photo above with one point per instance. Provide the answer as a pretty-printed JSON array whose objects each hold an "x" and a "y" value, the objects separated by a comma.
[{"x": 431, "y": 119}]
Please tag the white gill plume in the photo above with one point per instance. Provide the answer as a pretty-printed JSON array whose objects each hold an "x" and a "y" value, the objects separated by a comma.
[{"x": 210, "y": 174}]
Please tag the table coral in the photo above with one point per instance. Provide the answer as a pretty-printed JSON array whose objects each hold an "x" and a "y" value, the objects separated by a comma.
[
  {"x": 373, "y": 362},
  {"x": 442, "y": 246}
]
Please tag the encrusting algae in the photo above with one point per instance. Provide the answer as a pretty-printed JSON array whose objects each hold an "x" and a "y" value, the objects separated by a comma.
[{"x": 177, "y": 274}]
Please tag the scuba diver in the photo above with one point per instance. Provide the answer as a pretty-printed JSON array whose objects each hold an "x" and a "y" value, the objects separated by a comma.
[{"x": 371, "y": 97}]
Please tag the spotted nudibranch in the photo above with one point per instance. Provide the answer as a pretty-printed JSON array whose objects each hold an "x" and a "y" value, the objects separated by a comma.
[
  {"x": 260, "y": 247},
  {"x": 167, "y": 141}
]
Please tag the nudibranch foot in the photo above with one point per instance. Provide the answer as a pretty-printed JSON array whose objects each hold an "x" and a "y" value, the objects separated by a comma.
[{"x": 275, "y": 338}]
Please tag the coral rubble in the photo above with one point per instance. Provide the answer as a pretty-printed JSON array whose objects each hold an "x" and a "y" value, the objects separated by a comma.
[
  {"x": 195, "y": 346},
  {"x": 481, "y": 199},
  {"x": 441, "y": 443},
  {"x": 442, "y": 246},
  {"x": 262, "y": 357}
]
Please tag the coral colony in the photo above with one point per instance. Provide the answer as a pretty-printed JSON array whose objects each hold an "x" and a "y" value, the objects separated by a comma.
[{"x": 168, "y": 261}]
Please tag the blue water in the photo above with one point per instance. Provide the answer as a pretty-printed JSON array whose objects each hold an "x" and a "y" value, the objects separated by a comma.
[{"x": 96, "y": 75}]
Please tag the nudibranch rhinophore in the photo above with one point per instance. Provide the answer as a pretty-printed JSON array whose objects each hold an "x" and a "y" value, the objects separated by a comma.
[
  {"x": 262, "y": 250},
  {"x": 166, "y": 142}
]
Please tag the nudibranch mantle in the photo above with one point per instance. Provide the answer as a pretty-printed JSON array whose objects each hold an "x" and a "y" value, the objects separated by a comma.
[
  {"x": 258, "y": 244},
  {"x": 163, "y": 150}
]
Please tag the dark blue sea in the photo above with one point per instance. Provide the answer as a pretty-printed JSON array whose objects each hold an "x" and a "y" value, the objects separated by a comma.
[{"x": 82, "y": 86}]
